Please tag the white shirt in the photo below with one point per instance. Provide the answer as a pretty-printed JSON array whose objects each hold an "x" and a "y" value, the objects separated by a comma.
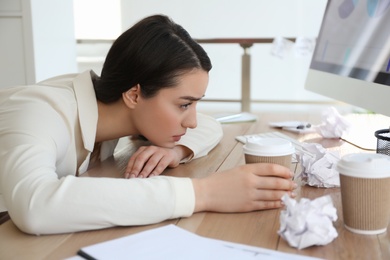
[{"x": 47, "y": 134}]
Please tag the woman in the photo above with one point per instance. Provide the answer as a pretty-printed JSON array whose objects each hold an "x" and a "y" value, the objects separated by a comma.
[{"x": 152, "y": 78}]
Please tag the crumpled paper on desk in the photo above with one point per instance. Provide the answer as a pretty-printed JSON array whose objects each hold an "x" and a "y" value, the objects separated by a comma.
[
  {"x": 318, "y": 170},
  {"x": 333, "y": 124},
  {"x": 308, "y": 222}
]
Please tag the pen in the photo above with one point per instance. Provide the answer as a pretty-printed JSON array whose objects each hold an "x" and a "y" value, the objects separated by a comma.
[
  {"x": 85, "y": 255},
  {"x": 302, "y": 126}
]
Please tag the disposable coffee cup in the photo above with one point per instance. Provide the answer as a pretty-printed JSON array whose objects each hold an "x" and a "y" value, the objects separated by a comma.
[
  {"x": 268, "y": 150},
  {"x": 365, "y": 192}
]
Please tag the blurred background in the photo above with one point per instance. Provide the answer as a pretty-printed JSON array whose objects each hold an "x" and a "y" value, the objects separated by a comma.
[{"x": 44, "y": 38}]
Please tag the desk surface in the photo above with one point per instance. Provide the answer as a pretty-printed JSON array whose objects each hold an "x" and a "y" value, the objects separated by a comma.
[{"x": 255, "y": 228}]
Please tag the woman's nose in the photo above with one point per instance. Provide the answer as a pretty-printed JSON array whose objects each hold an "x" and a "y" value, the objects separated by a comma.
[{"x": 190, "y": 121}]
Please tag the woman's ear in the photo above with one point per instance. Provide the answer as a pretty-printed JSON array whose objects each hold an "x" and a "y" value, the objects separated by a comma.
[{"x": 131, "y": 97}]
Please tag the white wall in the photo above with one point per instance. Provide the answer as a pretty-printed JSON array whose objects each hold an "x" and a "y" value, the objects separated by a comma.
[
  {"x": 97, "y": 19},
  {"x": 37, "y": 40},
  {"x": 54, "y": 43},
  {"x": 232, "y": 18}
]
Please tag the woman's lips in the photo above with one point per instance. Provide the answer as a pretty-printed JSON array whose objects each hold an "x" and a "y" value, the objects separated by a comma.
[{"x": 176, "y": 138}]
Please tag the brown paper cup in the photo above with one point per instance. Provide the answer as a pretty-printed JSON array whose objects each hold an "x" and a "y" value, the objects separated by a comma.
[
  {"x": 281, "y": 160},
  {"x": 268, "y": 150},
  {"x": 365, "y": 193},
  {"x": 366, "y": 204}
]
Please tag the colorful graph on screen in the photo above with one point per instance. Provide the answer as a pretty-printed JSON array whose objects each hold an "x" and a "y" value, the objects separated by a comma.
[
  {"x": 355, "y": 39},
  {"x": 374, "y": 8},
  {"x": 346, "y": 8}
]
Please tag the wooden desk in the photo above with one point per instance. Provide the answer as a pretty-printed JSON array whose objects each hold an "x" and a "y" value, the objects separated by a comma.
[{"x": 255, "y": 228}]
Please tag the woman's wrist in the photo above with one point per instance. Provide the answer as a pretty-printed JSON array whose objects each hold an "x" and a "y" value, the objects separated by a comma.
[
  {"x": 183, "y": 152},
  {"x": 199, "y": 190}
]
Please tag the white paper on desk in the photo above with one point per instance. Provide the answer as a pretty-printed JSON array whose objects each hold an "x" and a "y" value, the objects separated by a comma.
[
  {"x": 299, "y": 127},
  {"x": 235, "y": 118},
  {"x": 75, "y": 258},
  {"x": 172, "y": 242}
]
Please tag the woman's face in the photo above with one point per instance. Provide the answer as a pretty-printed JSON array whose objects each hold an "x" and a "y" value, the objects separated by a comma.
[{"x": 164, "y": 118}]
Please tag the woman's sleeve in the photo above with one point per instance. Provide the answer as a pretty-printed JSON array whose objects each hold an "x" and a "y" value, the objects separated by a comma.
[
  {"x": 42, "y": 199},
  {"x": 39, "y": 202},
  {"x": 202, "y": 139}
]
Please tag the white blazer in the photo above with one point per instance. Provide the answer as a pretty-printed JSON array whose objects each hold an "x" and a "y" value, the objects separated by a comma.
[{"x": 47, "y": 134}]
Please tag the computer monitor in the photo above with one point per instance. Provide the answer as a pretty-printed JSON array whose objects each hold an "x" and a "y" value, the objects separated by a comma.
[{"x": 351, "y": 60}]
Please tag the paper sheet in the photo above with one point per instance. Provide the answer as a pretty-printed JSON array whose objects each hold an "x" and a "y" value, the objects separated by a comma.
[
  {"x": 235, "y": 118},
  {"x": 300, "y": 127},
  {"x": 172, "y": 242}
]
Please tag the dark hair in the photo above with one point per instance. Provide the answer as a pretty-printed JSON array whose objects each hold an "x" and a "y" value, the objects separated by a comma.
[{"x": 152, "y": 53}]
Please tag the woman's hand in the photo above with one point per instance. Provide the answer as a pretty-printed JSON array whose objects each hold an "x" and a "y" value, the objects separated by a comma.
[
  {"x": 152, "y": 160},
  {"x": 245, "y": 188}
]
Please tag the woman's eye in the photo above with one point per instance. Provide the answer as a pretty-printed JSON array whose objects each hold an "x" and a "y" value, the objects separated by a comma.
[{"x": 185, "y": 106}]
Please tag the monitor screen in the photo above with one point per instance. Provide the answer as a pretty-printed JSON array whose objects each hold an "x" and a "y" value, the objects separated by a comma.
[{"x": 351, "y": 60}]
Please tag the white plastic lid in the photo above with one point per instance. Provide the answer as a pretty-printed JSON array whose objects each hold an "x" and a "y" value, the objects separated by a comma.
[
  {"x": 268, "y": 146},
  {"x": 365, "y": 165}
]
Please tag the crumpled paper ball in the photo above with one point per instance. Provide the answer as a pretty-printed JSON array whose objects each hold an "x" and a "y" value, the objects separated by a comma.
[
  {"x": 333, "y": 125},
  {"x": 318, "y": 170},
  {"x": 308, "y": 222}
]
